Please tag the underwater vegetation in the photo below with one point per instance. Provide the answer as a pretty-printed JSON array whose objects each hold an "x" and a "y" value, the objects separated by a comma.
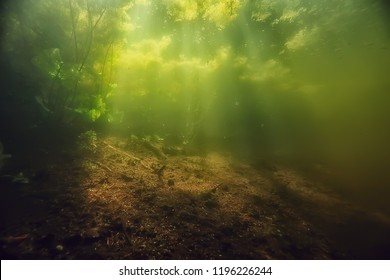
[{"x": 194, "y": 129}]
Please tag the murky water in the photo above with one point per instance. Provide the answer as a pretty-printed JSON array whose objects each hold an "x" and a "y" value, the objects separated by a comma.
[{"x": 294, "y": 81}]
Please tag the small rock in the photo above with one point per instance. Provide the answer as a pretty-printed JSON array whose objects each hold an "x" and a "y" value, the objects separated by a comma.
[{"x": 59, "y": 247}]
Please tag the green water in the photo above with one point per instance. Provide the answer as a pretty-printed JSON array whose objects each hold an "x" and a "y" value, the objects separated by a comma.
[{"x": 303, "y": 82}]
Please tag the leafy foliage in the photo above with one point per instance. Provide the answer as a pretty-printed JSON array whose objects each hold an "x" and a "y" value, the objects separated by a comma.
[
  {"x": 67, "y": 48},
  {"x": 215, "y": 69}
]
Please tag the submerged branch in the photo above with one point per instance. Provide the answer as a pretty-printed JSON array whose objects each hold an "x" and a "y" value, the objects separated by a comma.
[
  {"x": 100, "y": 165},
  {"x": 128, "y": 155}
]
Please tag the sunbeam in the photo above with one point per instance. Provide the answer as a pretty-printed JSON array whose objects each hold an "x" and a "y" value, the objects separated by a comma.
[{"x": 195, "y": 129}]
